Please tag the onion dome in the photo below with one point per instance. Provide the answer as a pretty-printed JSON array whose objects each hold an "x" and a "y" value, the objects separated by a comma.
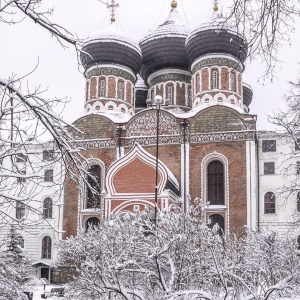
[
  {"x": 247, "y": 94},
  {"x": 213, "y": 37},
  {"x": 111, "y": 46},
  {"x": 164, "y": 47},
  {"x": 141, "y": 93}
]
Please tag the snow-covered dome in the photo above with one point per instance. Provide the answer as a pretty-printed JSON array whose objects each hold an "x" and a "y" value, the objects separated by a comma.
[
  {"x": 247, "y": 94},
  {"x": 216, "y": 36},
  {"x": 111, "y": 46},
  {"x": 164, "y": 47}
]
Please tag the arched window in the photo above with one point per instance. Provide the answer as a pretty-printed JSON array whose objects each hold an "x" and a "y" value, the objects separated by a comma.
[
  {"x": 46, "y": 247},
  {"x": 190, "y": 102},
  {"x": 47, "y": 208},
  {"x": 219, "y": 220},
  {"x": 198, "y": 82},
  {"x": 270, "y": 204},
  {"x": 152, "y": 94},
  {"x": 233, "y": 81},
  {"x": 121, "y": 90},
  {"x": 298, "y": 202},
  {"x": 298, "y": 242},
  {"x": 93, "y": 190},
  {"x": 169, "y": 93},
  {"x": 20, "y": 210},
  {"x": 214, "y": 79},
  {"x": 215, "y": 183},
  {"x": 91, "y": 222},
  {"x": 102, "y": 87}
]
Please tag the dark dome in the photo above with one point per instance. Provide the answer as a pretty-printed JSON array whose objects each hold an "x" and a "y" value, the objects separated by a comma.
[
  {"x": 111, "y": 46},
  {"x": 164, "y": 47},
  {"x": 216, "y": 37},
  {"x": 247, "y": 94},
  {"x": 141, "y": 93}
]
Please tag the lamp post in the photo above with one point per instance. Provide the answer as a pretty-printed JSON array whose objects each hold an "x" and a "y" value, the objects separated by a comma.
[
  {"x": 156, "y": 102},
  {"x": 184, "y": 125}
]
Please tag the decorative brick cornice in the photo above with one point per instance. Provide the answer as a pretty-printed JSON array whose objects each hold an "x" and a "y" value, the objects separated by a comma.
[
  {"x": 170, "y": 77},
  {"x": 169, "y": 139},
  {"x": 216, "y": 61},
  {"x": 106, "y": 71}
]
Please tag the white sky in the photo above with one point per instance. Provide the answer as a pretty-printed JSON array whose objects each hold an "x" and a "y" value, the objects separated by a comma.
[{"x": 24, "y": 44}]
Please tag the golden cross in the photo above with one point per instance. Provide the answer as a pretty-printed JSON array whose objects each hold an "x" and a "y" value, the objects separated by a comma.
[{"x": 113, "y": 7}]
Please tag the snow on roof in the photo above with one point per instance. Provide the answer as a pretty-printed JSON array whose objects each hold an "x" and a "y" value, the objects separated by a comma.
[
  {"x": 173, "y": 26},
  {"x": 140, "y": 83},
  {"x": 217, "y": 24},
  {"x": 112, "y": 34}
]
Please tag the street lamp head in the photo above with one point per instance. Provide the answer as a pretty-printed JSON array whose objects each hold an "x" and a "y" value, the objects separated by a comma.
[{"x": 158, "y": 99}]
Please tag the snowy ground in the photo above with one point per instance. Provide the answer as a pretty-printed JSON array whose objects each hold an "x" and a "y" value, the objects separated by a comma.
[{"x": 38, "y": 290}]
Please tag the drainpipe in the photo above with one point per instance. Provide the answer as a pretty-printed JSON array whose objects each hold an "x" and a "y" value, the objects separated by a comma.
[{"x": 258, "y": 183}]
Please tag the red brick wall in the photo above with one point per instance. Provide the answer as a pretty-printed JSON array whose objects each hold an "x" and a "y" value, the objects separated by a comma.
[
  {"x": 93, "y": 87},
  {"x": 204, "y": 79},
  {"x": 180, "y": 99},
  {"x": 111, "y": 87}
]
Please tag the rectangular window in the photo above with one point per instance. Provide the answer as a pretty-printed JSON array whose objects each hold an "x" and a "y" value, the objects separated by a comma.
[
  {"x": 269, "y": 168},
  {"x": 20, "y": 210},
  {"x": 298, "y": 167},
  {"x": 48, "y": 154},
  {"x": 169, "y": 93},
  {"x": 232, "y": 82},
  {"x": 21, "y": 157},
  {"x": 48, "y": 175},
  {"x": 190, "y": 103},
  {"x": 102, "y": 88},
  {"x": 297, "y": 144},
  {"x": 198, "y": 83},
  {"x": 21, "y": 179},
  {"x": 269, "y": 145},
  {"x": 120, "y": 90}
]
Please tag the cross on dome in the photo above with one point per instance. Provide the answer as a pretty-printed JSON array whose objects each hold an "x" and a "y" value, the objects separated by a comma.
[
  {"x": 216, "y": 7},
  {"x": 112, "y": 7},
  {"x": 174, "y": 4}
]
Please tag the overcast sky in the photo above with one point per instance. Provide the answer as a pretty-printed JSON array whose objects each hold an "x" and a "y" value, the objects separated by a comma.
[{"x": 25, "y": 44}]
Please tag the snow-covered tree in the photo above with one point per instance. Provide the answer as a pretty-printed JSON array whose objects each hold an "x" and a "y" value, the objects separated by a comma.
[
  {"x": 14, "y": 267},
  {"x": 130, "y": 258}
]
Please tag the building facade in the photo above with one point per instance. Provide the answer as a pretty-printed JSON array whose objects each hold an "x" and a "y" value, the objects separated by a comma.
[{"x": 166, "y": 121}]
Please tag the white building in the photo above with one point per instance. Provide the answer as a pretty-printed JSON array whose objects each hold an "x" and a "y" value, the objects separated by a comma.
[
  {"x": 278, "y": 181},
  {"x": 31, "y": 201}
]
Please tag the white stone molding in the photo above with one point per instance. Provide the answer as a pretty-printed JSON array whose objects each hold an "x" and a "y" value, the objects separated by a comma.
[{"x": 204, "y": 163}]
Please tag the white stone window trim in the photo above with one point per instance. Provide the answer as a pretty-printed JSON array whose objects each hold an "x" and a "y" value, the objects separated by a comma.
[
  {"x": 82, "y": 191},
  {"x": 204, "y": 164}
]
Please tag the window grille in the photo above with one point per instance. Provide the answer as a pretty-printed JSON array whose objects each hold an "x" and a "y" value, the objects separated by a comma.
[
  {"x": 46, "y": 247},
  {"x": 20, "y": 241},
  {"x": 190, "y": 104},
  {"x": 48, "y": 154},
  {"x": 170, "y": 93},
  {"x": 121, "y": 90},
  {"x": 47, "y": 208},
  {"x": 215, "y": 79},
  {"x": 215, "y": 183},
  {"x": 297, "y": 144},
  {"x": 269, "y": 168},
  {"x": 48, "y": 175},
  {"x": 269, "y": 145},
  {"x": 93, "y": 194},
  {"x": 198, "y": 82},
  {"x": 270, "y": 204},
  {"x": 20, "y": 210},
  {"x": 102, "y": 88}
]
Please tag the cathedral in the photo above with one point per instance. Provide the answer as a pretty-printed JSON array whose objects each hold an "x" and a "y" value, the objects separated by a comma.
[{"x": 166, "y": 122}]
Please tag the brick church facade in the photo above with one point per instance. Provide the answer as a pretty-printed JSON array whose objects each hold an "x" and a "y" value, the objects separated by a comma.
[{"x": 206, "y": 137}]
